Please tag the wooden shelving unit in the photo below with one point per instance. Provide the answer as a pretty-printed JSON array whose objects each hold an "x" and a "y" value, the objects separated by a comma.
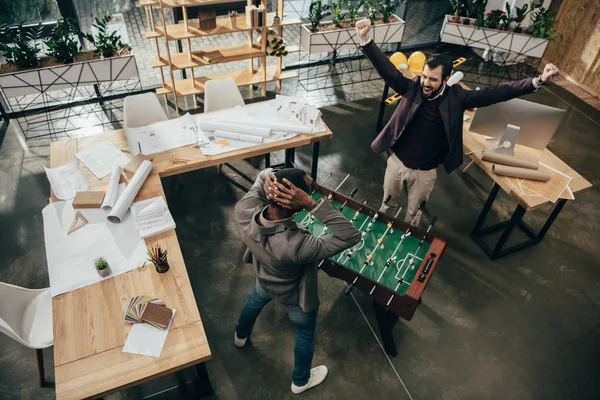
[{"x": 188, "y": 59}]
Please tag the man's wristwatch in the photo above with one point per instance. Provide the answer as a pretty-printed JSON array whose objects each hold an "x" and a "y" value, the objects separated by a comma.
[{"x": 540, "y": 81}]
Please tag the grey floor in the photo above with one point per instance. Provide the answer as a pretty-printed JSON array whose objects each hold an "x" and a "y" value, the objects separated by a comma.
[{"x": 522, "y": 327}]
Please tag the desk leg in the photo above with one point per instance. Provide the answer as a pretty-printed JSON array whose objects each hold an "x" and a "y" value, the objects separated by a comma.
[
  {"x": 551, "y": 219},
  {"x": 486, "y": 209},
  {"x": 386, "y": 91},
  {"x": 289, "y": 163},
  {"x": 514, "y": 220},
  {"x": 315, "y": 160},
  {"x": 205, "y": 387},
  {"x": 268, "y": 160}
]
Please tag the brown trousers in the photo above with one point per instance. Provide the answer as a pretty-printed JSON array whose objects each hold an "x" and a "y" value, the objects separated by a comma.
[{"x": 399, "y": 179}]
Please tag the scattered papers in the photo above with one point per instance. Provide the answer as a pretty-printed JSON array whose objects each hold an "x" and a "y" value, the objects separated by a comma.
[
  {"x": 152, "y": 216},
  {"x": 147, "y": 340},
  {"x": 67, "y": 180},
  {"x": 110, "y": 198},
  {"x": 162, "y": 136},
  {"x": 556, "y": 188},
  {"x": 102, "y": 158},
  {"x": 71, "y": 256}
]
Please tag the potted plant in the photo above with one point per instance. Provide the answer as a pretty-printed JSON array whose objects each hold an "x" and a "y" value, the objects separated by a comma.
[
  {"x": 493, "y": 18},
  {"x": 22, "y": 53},
  {"x": 506, "y": 18},
  {"x": 457, "y": 7},
  {"x": 353, "y": 7},
  {"x": 316, "y": 12},
  {"x": 232, "y": 19},
  {"x": 107, "y": 44},
  {"x": 372, "y": 10},
  {"x": 522, "y": 13},
  {"x": 337, "y": 12},
  {"x": 102, "y": 267},
  {"x": 387, "y": 8},
  {"x": 542, "y": 24},
  {"x": 481, "y": 4},
  {"x": 62, "y": 44}
]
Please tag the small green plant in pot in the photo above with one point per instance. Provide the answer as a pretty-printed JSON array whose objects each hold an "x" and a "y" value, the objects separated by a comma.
[
  {"x": 388, "y": 8},
  {"x": 480, "y": 10},
  {"x": 522, "y": 12},
  {"x": 372, "y": 8},
  {"x": 337, "y": 12},
  {"x": 493, "y": 18},
  {"x": 18, "y": 47},
  {"x": 63, "y": 44},
  {"x": 316, "y": 12},
  {"x": 107, "y": 44},
  {"x": 542, "y": 24},
  {"x": 102, "y": 267},
  {"x": 457, "y": 7},
  {"x": 353, "y": 7}
]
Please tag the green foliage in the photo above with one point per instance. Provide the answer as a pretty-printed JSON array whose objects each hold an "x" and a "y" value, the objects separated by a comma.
[
  {"x": 17, "y": 45},
  {"x": 337, "y": 12},
  {"x": 372, "y": 8},
  {"x": 353, "y": 7},
  {"x": 316, "y": 12},
  {"x": 507, "y": 17},
  {"x": 106, "y": 44},
  {"x": 389, "y": 7},
  {"x": 63, "y": 44},
  {"x": 100, "y": 263},
  {"x": 493, "y": 18},
  {"x": 524, "y": 11},
  {"x": 542, "y": 24},
  {"x": 457, "y": 7},
  {"x": 481, "y": 4}
]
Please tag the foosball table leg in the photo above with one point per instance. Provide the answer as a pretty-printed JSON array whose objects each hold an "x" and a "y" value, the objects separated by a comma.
[{"x": 386, "y": 320}]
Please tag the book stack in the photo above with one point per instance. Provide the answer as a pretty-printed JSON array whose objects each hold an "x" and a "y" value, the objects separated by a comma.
[
  {"x": 148, "y": 309},
  {"x": 255, "y": 16}
]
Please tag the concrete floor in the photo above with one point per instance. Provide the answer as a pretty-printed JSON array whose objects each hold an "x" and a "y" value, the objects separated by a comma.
[{"x": 522, "y": 327}]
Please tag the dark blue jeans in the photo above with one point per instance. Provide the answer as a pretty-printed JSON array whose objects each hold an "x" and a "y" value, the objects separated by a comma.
[{"x": 305, "y": 324}]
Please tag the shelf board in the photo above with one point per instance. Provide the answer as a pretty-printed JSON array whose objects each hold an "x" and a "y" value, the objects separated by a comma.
[
  {"x": 181, "y": 3},
  {"x": 178, "y": 31},
  {"x": 187, "y": 87},
  {"x": 235, "y": 53}
]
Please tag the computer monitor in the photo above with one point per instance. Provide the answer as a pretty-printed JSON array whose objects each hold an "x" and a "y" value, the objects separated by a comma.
[{"x": 529, "y": 124}]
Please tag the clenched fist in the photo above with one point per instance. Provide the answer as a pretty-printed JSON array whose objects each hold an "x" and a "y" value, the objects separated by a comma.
[
  {"x": 550, "y": 70},
  {"x": 363, "y": 30}
]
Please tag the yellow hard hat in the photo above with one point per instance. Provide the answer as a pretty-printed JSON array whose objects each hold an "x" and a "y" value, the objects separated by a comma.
[
  {"x": 416, "y": 62},
  {"x": 397, "y": 59}
]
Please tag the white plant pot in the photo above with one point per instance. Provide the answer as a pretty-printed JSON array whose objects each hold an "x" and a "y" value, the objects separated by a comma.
[
  {"x": 66, "y": 76},
  {"x": 346, "y": 39},
  {"x": 495, "y": 40}
]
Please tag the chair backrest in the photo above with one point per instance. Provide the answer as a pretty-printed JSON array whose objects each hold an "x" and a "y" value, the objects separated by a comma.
[
  {"x": 397, "y": 59},
  {"x": 416, "y": 62},
  {"x": 220, "y": 94},
  {"x": 142, "y": 109},
  {"x": 14, "y": 301}
]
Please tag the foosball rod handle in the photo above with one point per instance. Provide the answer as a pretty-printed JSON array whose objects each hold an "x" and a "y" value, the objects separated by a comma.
[
  {"x": 350, "y": 287},
  {"x": 353, "y": 192}
]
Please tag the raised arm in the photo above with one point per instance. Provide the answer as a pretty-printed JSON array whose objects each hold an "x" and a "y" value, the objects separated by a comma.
[
  {"x": 255, "y": 197},
  {"x": 388, "y": 72}
]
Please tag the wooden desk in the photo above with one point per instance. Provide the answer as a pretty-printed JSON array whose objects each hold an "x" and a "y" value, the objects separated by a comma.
[
  {"x": 473, "y": 142},
  {"x": 89, "y": 332}
]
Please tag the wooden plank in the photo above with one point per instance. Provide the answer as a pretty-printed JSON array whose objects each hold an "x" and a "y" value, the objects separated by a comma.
[
  {"x": 234, "y": 53},
  {"x": 113, "y": 370},
  {"x": 187, "y": 87}
]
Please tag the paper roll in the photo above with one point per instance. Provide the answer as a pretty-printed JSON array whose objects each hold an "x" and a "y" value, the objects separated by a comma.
[
  {"x": 525, "y": 173},
  {"x": 113, "y": 189},
  {"x": 504, "y": 159},
  {"x": 235, "y": 128},
  {"x": 136, "y": 183},
  {"x": 239, "y": 136}
]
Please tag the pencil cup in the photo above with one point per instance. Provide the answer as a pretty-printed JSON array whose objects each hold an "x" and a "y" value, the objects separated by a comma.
[{"x": 161, "y": 267}]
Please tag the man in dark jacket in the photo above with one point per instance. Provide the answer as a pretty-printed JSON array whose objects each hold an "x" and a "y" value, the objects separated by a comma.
[{"x": 426, "y": 128}]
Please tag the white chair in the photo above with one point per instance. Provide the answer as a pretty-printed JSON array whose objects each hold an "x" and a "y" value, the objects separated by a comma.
[
  {"x": 142, "y": 109},
  {"x": 220, "y": 94},
  {"x": 26, "y": 316}
]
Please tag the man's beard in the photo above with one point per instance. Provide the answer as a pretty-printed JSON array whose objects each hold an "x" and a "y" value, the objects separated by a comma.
[{"x": 430, "y": 94}]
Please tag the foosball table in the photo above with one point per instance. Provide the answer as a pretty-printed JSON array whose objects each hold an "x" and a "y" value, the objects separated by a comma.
[{"x": 392, "y": 263}]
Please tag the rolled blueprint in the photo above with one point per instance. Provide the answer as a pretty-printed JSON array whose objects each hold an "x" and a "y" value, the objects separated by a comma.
[
  {"x": 136, "y": 183},
  {"x": 113, "y": 189},
  {"x": 505, "y": 159},
  {"x": 235, "y": 128},
  {"x": 525, "y": 173},
  {"x": 239, "y": 136}
]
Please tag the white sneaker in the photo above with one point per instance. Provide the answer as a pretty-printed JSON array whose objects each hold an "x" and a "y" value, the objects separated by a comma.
[
  {"x": 317, "y": 375},
  {"x": 237, "y": 341}
]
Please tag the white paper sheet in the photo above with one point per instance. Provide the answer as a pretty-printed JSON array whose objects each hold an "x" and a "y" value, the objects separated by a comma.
[
  {"x": 162, "y": 136},
  {"x": 146, "y": 339},
  {"x": 67, "y": 180},
  {"x": 110, "y": 198},
  {"x": 102, "y": 158},
  {"x": 213, "y": 147},
  {"x": 147, "y": 224},
  {"x": 71, "y": 256},
  {"x": 125, "y": 199}
]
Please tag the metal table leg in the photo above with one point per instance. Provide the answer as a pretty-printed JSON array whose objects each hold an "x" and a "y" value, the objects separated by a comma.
[{"x": 315, "y": 160}]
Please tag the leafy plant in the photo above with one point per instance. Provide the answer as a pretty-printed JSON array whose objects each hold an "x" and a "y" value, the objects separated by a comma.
[
  {"x": 493, "y": 18},
  {"x": 17, "y": 45},
  {"x": 63, "y": 44},
  {"x": 387, "y": 8},
  {"x": 372, "y": 10},
  {"x": 542, "y": 24},
  {"x": 337, "y": 12},
  {"x": 316, "y": 12},
  {"x": 106, "y": 44},
  {"x": 457, "y": 7},
  {"x": 481, "y": 13},
  {"x": 522, "y": 13},
  {"x": 353, "y": 7},
  {"x": 100, "y": 263},
  {"x": 507, "y": 17}
]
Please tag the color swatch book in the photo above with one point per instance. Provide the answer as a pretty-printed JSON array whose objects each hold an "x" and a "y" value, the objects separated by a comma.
[{"x": 134, "y": 308}]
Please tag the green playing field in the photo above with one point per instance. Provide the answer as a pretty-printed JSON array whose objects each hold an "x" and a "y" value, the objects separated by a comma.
[{"x": 398, "y": 269}]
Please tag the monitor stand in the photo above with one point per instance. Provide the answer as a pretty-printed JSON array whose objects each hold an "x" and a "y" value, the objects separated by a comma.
[{"x": 507, "y": 142}]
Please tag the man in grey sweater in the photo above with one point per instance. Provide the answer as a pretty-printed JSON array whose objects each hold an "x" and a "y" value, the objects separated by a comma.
[{"x": 285, "y": 257}]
